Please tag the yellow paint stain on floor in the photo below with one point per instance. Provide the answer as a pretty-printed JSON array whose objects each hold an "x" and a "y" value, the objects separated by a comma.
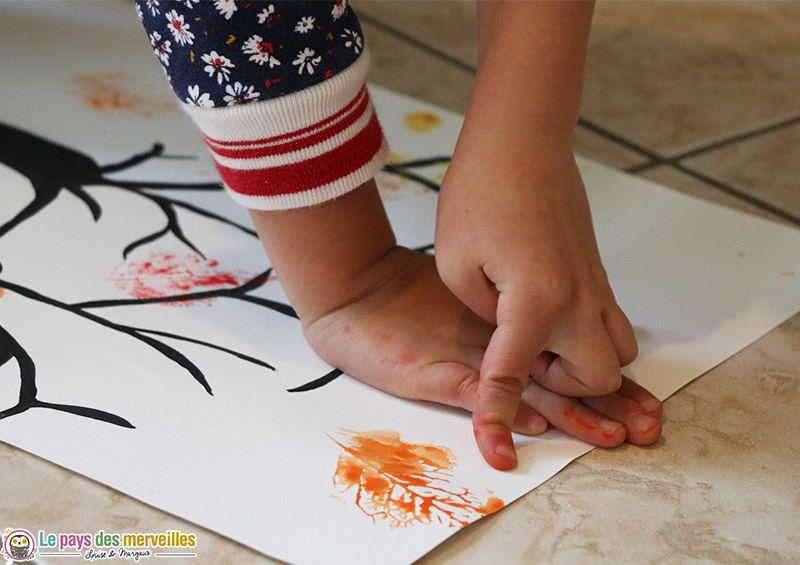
[
  {"x": 422, "y": 122},
  {"x": 396, "y": 157}
]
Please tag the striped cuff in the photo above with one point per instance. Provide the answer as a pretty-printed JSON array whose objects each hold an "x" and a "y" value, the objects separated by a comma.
[{"x": 300, "y": 149}]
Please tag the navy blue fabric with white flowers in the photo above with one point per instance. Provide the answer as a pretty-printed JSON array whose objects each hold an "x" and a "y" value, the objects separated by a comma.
[{"x": 225, "y": 52}]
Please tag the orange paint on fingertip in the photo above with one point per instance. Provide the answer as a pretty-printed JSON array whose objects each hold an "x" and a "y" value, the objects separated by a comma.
[{"x": 404, "y": 484}]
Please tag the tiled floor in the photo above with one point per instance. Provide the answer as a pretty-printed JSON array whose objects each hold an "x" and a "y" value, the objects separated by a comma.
[{"x": 703, "y": 97}]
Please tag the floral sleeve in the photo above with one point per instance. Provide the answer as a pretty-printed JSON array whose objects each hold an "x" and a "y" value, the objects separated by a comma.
[{"x": 277, "y": 90}]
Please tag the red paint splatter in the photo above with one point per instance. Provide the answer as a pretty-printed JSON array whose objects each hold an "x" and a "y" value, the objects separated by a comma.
[
  {"x": 405, "y": 483},
  {"x": 169, "y": 274},
  {"x": 120, "y": 93}
]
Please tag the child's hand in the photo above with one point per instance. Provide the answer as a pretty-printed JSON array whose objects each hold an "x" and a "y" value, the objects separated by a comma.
[
  {"x": 410, "y": 336},
  {"x": 515, "y": 243},
  {"x": 382, "y": 314}
]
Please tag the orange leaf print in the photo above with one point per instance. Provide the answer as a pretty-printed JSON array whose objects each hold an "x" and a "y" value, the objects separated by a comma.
[{"x": 405, "y": 483}]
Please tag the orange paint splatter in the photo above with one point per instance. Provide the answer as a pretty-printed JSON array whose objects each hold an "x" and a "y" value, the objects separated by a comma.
[
  {"x": 405, "y": 483},
  {"x": 170, "y": 274},
  {"x": 116, "y": 93},
  {"x": 2, "y": 291},
  {"x": 422, "y": 122},
  {"x": 786, "y": 273}
]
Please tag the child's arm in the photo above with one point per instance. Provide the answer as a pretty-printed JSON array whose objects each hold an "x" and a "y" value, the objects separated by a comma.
[
  {"x": 514, "y": 234},
  {"x": 377, "y": 311}
]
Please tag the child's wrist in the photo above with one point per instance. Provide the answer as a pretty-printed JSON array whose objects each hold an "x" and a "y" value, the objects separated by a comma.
[{"x": 325, "y": 255}]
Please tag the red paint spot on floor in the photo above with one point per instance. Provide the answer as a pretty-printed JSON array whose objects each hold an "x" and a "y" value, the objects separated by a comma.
[
  {"x": 405, "y": 483},
  {"x": 170, "y": 274}
]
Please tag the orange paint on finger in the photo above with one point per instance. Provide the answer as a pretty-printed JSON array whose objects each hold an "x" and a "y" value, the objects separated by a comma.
[
  {"x": 586, "y": 425},
  {"x": 403, "y": 483}
]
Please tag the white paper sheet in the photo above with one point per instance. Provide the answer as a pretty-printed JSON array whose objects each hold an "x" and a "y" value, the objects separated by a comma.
[{"x": 252, "y": 461}]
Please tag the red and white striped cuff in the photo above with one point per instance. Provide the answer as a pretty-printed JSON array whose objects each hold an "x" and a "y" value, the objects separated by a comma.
[{"x": 300, "y": 149}]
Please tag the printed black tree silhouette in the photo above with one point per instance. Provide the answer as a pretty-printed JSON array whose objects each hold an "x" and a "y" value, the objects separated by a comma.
[{"x": 52, "y": 168}]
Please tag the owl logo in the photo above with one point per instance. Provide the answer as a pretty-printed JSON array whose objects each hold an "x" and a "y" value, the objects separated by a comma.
[{"x": 18, "y": 545}]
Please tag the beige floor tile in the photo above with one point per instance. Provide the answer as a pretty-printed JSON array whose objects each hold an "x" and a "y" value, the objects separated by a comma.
[
  {"x": 412, "y": 71},
  {"x": 673, "y": 178},
  {"x": 447, "y": 25},
  {"x": 767, "y": 167},
  {"x": 675, "y": 75}
]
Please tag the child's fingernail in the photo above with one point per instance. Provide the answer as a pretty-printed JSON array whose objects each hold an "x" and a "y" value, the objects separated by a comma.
[
  {"x": 643, "y": 423},
  {"x": 651, "y": 404},
  {"x": 536, "y": 425},
  {"x": 609, "y": 426},
  {"x": 506, "y": 451}
]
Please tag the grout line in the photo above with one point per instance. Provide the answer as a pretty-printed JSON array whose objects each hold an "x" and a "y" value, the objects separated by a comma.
[
  {"x": 737, "y": 138},
  {"x": 419, "y": 44},
  {"x": 619, "y": 140},
  {"x": 651, "y": 164},
  {"x": 740, "y": 194}
]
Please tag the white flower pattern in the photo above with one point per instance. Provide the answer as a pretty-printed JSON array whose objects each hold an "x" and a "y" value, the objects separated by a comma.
[
  {"x": 162, "y": 49},
  {"x": 339, "y": 9},
  {"x": 305, "y": 24},
  {"x": 216, "y": 49},
  {"x": 239, "y": 94},
  {"x": 153, "y": 7},
  {"x": 226, "y": 7},
  {"x": 218, "y": 65},
  {"x": 266, "y": 14},
  {"x": 180, "y": 29},
  {"x": 200, "y": 100},
  {"x": 353, "y": 40},
  {"x": 260, "y": 51},
  {"x": 306, "y": 61}
]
